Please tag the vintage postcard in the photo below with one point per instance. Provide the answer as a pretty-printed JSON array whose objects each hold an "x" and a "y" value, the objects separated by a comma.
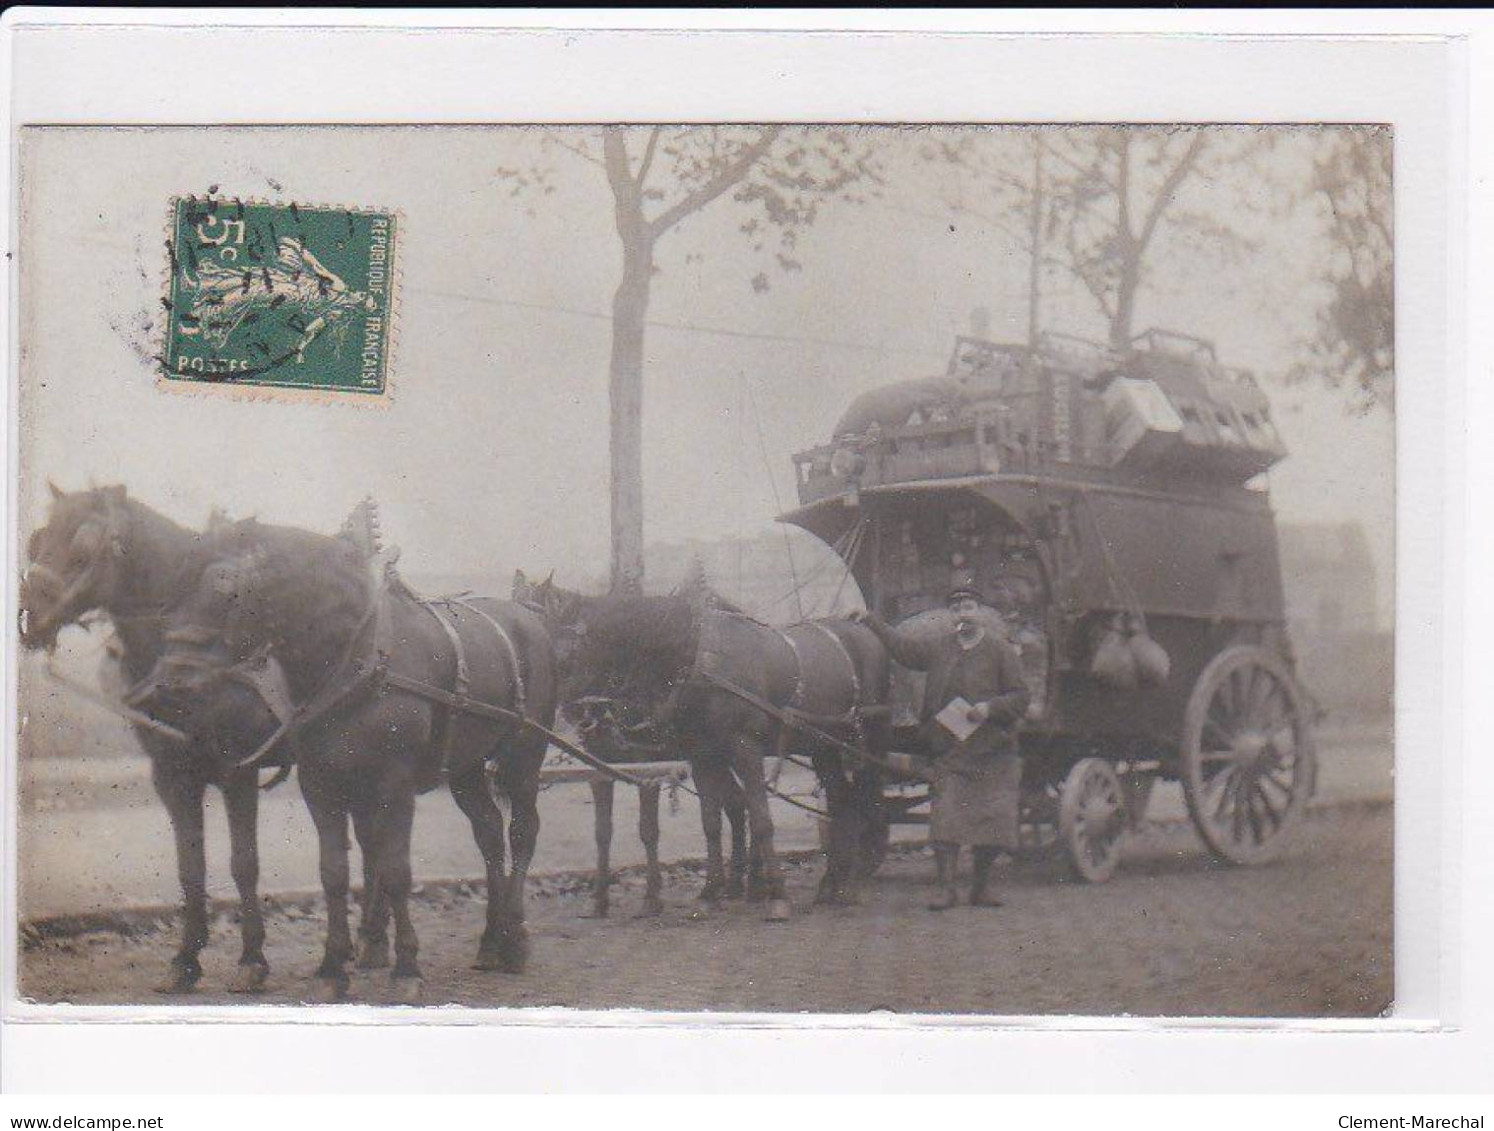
[{"x": 605, "y": 666}]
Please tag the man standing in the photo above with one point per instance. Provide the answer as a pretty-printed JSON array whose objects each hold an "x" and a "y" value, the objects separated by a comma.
[{"x": 973, "y": 698}]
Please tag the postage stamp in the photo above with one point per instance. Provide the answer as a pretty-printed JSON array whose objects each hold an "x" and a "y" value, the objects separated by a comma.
[{"x": 280, "y": 296}]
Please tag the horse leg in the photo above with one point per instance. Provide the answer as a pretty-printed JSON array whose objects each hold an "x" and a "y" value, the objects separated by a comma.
[
  {"x": 331, "y": 819},
  {"x": 840, "y": 865},
  {"x": 241, "y": 799},
  {"x": 472, "y": 796},
  {"x": 601, "y": 796},
  {"x": 709, "y": 775},
  {"x": 873, "y": 841},
  {"x": 373, "y": 921},
  {"x": 747, "y": 760},
  {"x": 523, "y": 837},
  {"x": 394, "y": 823},
  {"x": 181, "y": 792},
  {"x": 746, "y": 873},
  {"x": 648, "y": 832}
]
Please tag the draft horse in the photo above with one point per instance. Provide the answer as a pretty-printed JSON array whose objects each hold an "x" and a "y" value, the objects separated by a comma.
[
  {"x": 103, "y": 552},
  {"x": 620, "y": 732},
  {"x": 377, "y": 677},
  {"x": 720, "y": 670}
]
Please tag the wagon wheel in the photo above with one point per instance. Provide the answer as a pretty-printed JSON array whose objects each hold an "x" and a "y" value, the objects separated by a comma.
[
  {"x": 1248, "y": 761},
  {"x": 1092, "y": 818}
]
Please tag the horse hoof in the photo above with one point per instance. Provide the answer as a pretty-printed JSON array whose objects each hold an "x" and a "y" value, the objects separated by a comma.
[
  {"x": 328, "y": 991},
  {"x": 778, "y": 911},
  {"x": 181, "y": 980},
  {"x": 408, "y": 990},
  {"x": 652, "y": 907},
  {"x": 249, "y": 978},
  {"x": 373, "y": 955},
  {"x": 513, "y": 952},
  {"x": 736, "y": 889},
  {"x": 489, "y": 960}
]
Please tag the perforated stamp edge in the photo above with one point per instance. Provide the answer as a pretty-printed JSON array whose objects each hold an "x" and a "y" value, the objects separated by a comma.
[{"x": 251, "y": 392}]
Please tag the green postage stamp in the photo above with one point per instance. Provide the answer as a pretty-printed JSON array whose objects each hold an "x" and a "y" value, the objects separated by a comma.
[{"x": 280, "y": 296}]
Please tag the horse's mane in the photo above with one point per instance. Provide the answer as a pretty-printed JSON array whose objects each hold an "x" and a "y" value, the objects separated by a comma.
[
  {"x": 166, "y": 559},
  {"x": 304, "y": 594},
  {"x": 641, "y": 632}
]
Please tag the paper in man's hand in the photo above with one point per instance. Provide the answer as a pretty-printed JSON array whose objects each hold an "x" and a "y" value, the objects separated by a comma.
[{"x": 955, "y": 718}]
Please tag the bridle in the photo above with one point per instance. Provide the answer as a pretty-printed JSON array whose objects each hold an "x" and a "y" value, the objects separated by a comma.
[{"x": 63, "y": 610}]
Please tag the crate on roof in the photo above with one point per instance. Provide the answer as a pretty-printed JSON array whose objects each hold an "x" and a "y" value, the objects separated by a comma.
[{"x": 1164, "y": 409}]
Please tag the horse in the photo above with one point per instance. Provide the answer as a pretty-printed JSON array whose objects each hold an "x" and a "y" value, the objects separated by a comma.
[
  {"x": 102, "y": 551},
  {"x": 606, "y": 727},
  {"x": 716, "y": 671},
  {"x": 383, "y": 685}
]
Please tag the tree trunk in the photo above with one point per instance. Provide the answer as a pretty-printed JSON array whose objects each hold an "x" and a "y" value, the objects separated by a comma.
[
  {"x": 1035, "y": 237},
  {"x": 1127, "y": 247},
  {"x": 629, "y": 310},
  {"x": 1122, "y": 321}
]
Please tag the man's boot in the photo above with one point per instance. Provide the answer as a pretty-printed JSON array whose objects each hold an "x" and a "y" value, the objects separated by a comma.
[
  {"x": 946, "y": 860},
  {"x": 978, "y": 895}
]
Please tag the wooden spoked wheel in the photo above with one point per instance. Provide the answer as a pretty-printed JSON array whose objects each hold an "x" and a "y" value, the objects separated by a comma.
[
  {"x": 1248, "y": 762},
  {"x": 1092, "y": 818}
]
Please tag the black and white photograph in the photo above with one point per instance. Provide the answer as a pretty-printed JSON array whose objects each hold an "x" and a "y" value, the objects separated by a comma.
[{"x": 748, "y": 568}]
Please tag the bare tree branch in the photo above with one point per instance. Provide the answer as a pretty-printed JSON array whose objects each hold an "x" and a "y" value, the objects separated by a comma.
[
  {"x": 724, "y": 179},
  {"x": 648, "y": 155},
  {"x": 580, "y": 151},
  {"x": 1170, "y": 185},
  {"x": 1076, "y": 265},
  {"x": 1081, "y": 170}
]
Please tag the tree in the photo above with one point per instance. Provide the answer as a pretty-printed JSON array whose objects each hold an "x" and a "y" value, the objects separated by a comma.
[
  {"x": 1094, "y": 203},
  {"x": 659, "y": 177},
  {"x": 1354, "y": 339},
  {"x": 1121, "y": 186}
]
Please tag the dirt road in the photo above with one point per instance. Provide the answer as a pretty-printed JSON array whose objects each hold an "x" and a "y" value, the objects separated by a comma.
[
  {"x": 94, "y": 838},
  {"x": 1171, "y": 934}
]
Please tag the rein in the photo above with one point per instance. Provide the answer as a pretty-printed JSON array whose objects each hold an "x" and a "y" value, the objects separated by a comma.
[
  {"x": 115, "y": 707},
  {"x": 797, "y": 720},
  {"x": 325, "y": 698},
  {"x": 73, "y": 590}
]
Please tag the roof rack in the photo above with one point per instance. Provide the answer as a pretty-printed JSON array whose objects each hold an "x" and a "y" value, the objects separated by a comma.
[
  {"x": 1158, "y": 340},
  {"x": 1058, "y": 342},
  {"x": 974, "y": 356}
]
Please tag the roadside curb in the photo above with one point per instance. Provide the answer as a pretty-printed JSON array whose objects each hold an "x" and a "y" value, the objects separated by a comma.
[{"x": 301, "y": 903}]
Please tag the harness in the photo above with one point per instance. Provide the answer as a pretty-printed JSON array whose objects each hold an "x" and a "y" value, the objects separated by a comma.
[
  {"x": 796, "y": 700},
  {"x": 79, "y": 585},
  {"x": 515, "y": 664},
  {"x": 332, "y": 693},
  {"x": 440, "y": 608}
]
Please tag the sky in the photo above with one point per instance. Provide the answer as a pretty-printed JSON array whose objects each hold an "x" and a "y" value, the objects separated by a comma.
[{"x": 492, "y": 452}]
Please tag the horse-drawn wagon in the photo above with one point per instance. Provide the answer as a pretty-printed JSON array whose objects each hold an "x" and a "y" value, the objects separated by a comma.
[{"x": 1113, "y": 507}]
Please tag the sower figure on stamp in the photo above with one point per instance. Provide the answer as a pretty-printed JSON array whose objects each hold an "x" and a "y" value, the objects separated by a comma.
[{"x": 974, "y": 695}]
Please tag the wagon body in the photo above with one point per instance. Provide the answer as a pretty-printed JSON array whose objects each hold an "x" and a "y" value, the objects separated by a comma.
[{"x": 1088, "y": 493}]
